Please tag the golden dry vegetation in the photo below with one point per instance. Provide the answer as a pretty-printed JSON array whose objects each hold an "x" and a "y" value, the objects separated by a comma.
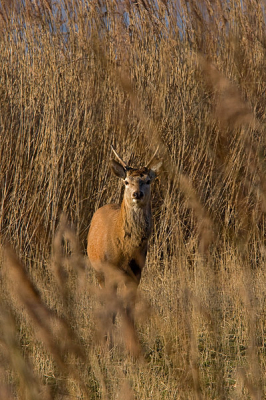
[{"x": 75, "y": 77}]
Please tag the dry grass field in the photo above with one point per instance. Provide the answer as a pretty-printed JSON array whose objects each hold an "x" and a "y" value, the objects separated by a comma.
[{"x": 75, "y": 77}]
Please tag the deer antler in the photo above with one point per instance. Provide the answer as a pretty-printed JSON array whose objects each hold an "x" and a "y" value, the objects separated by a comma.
[
  {"x": 119, "y": 159},
  {"x": 156, "y": 151}
]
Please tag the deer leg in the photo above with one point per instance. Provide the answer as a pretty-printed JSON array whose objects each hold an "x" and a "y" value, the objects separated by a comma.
[{"x": 130, "y": 333}]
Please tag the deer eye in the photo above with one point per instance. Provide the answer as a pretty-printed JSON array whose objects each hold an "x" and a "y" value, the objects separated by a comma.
[{"x": 126, "y": 182}]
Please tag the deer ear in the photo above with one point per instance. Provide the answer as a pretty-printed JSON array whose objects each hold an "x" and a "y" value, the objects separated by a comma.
[
  {"x": 118, "y": 169},
  {"x": 155, "y": 168}
]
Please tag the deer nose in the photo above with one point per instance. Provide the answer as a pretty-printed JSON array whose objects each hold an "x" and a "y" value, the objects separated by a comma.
[{"x": 137, "y": 195}]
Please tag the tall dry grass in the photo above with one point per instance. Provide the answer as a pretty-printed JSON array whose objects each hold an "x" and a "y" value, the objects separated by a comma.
[{"x": 75, "y": 77}]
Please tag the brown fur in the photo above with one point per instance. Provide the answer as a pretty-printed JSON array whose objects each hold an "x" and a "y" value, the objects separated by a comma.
[
  {"x": 121, "y": 235},
  {"x": 118, "y": 236},
  {"x": 138, "y": 172}
]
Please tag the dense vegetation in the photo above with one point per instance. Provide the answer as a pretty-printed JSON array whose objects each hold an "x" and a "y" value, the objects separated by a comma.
[{"x": 75, "y": 77}]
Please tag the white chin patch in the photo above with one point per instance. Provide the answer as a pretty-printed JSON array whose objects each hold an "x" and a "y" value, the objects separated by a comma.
[{"x": 137, "y": 203}]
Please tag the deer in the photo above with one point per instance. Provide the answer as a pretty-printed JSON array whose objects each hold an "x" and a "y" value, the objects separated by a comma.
[{"x": 119, "y": 234}]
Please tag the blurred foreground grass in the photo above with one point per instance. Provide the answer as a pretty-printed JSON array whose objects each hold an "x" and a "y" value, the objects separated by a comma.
[{"x": 75, "y": 77}]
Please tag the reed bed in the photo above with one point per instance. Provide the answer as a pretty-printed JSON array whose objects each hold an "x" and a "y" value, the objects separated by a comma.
[{"x": 76, "y": 77}]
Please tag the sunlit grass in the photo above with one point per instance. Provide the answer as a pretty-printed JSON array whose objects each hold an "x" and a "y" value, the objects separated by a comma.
[{"x": 74, "y": 82}]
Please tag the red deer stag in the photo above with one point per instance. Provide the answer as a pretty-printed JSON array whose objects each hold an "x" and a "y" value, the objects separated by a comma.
[{"x": 118, "y": 235}]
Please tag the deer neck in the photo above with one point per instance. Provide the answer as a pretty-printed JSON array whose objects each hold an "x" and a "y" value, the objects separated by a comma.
[{"x": 136, "y": 223}]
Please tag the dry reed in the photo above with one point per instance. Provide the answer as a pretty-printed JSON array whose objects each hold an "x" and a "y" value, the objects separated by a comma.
[{"x": 189, "y": 77}]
